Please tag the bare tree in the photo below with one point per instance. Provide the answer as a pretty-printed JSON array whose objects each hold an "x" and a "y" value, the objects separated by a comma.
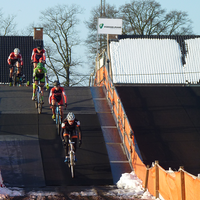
[
  {"x": 146, "y": 17},
  {"x": 59, "y": 24},
  {"x": 7, "y": 26}
]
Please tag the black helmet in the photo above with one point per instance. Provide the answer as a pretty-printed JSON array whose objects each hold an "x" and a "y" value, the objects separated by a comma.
[
  {"x": 56, "y": 83},
  {"x": 39, "y": 47}
]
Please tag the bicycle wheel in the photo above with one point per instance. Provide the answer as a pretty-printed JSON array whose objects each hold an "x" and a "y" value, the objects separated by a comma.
[
  {"x": 58, "y": 125},
  {"x": 39, "y": 108},
  {"x": 72, "y": 163},
  {"x": 36, "y": 104},
  {"x": 40, "y": 104},
  {"x": 14, "y": 79},
  {"x": 36, "y": 101}
]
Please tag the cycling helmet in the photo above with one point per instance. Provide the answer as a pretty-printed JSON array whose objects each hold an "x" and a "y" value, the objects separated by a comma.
[
  {"x": 39, "y": 47},
  {"x": 16, "y": 51},
  {"x": 70, "y": 116},
  {"x": 40, "y": 65},
  {"x": 56, "y": 83}
]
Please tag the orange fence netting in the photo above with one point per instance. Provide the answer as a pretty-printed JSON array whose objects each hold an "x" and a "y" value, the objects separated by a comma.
[{"x": 170, "y": 185}]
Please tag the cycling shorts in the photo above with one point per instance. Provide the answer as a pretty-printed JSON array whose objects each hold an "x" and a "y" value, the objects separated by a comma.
[
  {"x": 40, "y": 77},
  {"x": 58, "y": 99},
  {"x": 73, "y": 133},
  {"x": 13, "y": 61}
]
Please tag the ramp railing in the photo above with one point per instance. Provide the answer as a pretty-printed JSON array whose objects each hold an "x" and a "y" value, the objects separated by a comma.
[{"x": 168, "y": 184}]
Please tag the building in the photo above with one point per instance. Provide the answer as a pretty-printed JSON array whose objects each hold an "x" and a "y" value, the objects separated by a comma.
[{"x": 26, "y": 45}]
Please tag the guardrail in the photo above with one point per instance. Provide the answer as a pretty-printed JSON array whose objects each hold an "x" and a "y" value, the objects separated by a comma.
[{"x": 170, "y": 185}]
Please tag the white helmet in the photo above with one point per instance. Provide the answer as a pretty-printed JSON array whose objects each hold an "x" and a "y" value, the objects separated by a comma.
[
  {"x": 16, "y": 51},
  {"x": 70, "y": 116}
]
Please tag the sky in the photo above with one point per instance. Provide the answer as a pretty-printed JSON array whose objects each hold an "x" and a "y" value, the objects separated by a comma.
[
  {"x": 128, "y": 186},
  {"x": 28, "y": 12}
]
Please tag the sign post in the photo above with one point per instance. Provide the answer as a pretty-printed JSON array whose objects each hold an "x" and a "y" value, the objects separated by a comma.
[{"x": 108, "y": 26}]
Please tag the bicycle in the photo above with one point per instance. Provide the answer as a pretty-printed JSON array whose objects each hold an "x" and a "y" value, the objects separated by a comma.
[
  {"x": 38, "y": 99},
  {"x": 58, "y": 119},
  {"x": 17, "y": 79},
  {"x": 71, "y": 151}
]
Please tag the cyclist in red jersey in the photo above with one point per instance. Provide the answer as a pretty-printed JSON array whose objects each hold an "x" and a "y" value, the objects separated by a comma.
[
  {"x": 38, "y": 55},
  {"x": 15, "y": 58},
  {"x": 57, "y": 94}
]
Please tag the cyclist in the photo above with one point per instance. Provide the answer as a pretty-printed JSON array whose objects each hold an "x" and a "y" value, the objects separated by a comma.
[
  {"x": 70, "y": 125},
  {"x": 38, "y": 55},
  {"x": 15, "y": 58},
  {"x": 57, "y": 94},
  {"x": 39, "y": 74}
]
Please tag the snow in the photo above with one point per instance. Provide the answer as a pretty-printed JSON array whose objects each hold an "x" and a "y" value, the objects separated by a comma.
[
  {"x": 129, "y": 186},
  {"x": 154, "y": 61}
]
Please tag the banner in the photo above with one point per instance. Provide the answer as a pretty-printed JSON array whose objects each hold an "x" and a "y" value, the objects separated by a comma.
[{"x": 109, "y": 26}]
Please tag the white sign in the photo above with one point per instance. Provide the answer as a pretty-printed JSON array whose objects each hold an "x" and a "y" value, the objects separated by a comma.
[{"x": 109, "y": 26}]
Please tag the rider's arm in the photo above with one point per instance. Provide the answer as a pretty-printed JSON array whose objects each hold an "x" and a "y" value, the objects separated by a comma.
[
  {"x": 65, "y": 96},
  {"x": 21, "y": 60},
  {"x": 46, "y": 76},
  {"x": 44, "y": 55},
  {"x": 9, "y": 59},
  {"x": 79, "y": 130},
  {"x": 32, "y": 56},
  {"x": 50, "y": 96}
]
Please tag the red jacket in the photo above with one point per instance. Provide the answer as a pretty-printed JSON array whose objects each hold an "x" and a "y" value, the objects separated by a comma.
[
  {"x": 57, "y": 94},
  {"x": 13, "y": 57},
  {"x": 36, "y": 56}
]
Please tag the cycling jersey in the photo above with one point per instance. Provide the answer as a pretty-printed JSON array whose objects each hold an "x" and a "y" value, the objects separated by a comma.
[
  {"x": 35, "y": 57},
  {"x": 58, "y": 95},
  {"x": 39, "y": 75},
  {"x": 12, "y": 59},
  {"x": 71, "y": 129}
]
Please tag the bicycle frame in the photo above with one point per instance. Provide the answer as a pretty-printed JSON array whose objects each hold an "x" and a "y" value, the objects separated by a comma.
[
  {"x": 14, "y": 76},
  {"x": 58, "y": 115},
  {"x": 38, "y": 100},
  {"x": 71, "y": 156},
  {"x": 58, "y": 119}
]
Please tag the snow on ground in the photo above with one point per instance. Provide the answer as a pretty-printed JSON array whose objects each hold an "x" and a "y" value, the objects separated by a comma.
[{"x": 129, "y": 186}]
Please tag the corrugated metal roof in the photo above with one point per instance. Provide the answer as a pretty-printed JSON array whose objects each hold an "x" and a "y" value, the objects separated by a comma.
[
  {"x": 155, "y": 59},
  {"x": 26, "y": 45}
]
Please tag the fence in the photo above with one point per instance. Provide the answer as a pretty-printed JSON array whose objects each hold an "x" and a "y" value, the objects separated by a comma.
[{"x": 171, "y": 185}]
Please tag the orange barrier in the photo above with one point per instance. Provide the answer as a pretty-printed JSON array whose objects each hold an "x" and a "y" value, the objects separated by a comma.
[{"x": 178, "y": 185}]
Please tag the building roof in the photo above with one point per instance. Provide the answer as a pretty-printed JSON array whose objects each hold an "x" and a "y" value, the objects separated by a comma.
[{"x": 155, "y": 59}]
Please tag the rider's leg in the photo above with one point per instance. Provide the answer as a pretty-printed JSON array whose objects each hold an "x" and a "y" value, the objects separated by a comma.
[
  {"x": 61, "y": 112},
  {"x": 66, "y": 143},
  {"x": 34, "y": 89},
  {"x": 42, "y": 89},
  {"x": 18, "y": 65},
  {"x": 75, "y": 143},
  {"x": 10, "y": 77},
  {"x": 53, "y": 107},
  {"x": 34, "y": 65},
  {"x": 66, "y": 140}
]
